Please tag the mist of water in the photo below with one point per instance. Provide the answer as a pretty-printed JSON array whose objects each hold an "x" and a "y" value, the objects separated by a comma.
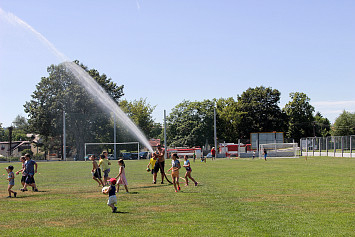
[{"x": 85, "y": 80}]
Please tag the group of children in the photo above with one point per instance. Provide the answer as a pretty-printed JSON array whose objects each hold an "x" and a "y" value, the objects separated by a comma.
[
  {"x": 175, "y": 167},
  {"x": 111, "y": 182},
  {"x": 28, "y": 170}
]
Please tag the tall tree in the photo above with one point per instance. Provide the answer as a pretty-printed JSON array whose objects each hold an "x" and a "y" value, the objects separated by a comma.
[
  {"x": 322, "y": 125},
  {"x": 191, "y": 124},
  {"x": 300, "y": 116},
  {"x": 344, "y": 125},
  {"x": 141, "y": 114},
  {"x": 261, "y": 112},
  {"x": 84, "y": 117},
  {"x": 228, "y": 120}
]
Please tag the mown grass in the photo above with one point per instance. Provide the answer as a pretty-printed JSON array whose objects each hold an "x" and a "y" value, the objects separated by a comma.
[{"x": 238, "y": 197}]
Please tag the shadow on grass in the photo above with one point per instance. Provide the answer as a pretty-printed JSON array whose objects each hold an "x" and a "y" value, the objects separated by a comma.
[
  {"x": 151, "y": 186},
  {"x": 121, "y": 212}
]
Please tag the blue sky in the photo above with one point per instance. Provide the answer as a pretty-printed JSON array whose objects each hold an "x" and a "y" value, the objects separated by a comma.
[{"x": 168, "y": 51}]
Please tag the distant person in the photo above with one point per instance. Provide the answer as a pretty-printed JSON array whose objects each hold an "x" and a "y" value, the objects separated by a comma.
[
  {"x": 122, "y": 176},
  {"x": 22, "y": 170},
  {"x": 213, "y": 153},
  {"x": 175, "y": 166},
  {"x": 265, "y": 154},
  {"x": 11, "y": 179},
  {"x": 112, "y": 198},
  {"x": 159, "y": 164},
  {"x": 151, "y": 163},
  {"x": 30, "y": 170},
  {"x": 104, "y": 163},
  {"x": 194, "y": 156},
  {"x": 96, "y": 171},
  {"x": 253, "y": 155},
  {"x": 188, "y": 171}
]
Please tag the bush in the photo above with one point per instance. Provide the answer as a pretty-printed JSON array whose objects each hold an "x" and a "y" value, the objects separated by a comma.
[{"x": 24, "y": 152}]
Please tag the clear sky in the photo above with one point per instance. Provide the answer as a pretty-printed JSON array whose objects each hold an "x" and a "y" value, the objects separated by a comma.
[{"x": 168, "y": 51}]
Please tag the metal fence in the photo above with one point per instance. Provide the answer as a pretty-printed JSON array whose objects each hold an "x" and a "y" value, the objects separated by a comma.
[{"x": 335, "y": 146}]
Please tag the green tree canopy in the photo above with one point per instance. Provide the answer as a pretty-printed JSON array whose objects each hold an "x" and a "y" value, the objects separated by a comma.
[
  {"x": 322, "y": 125},
  {"x": 260, "y": 111},
  {"x": 141, "y": 114},
  {"x": 300, "y": 116},
  {"x": 344, "y": 125},
  {"x": 190, "y": 124},
  {"x": 86, "y": 122}
]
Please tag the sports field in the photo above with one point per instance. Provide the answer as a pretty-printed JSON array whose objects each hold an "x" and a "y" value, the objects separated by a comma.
[{"x": 239, "y": 197}]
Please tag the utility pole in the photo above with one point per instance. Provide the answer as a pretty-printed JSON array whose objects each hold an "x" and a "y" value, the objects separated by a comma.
[{"x": 10, "y": 140}]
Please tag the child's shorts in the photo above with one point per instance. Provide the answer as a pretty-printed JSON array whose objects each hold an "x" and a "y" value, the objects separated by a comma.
[
  {"x": 30, "y": 179},
  {"x": 112, "y": 200},
  {"x": 12, "y": 182},
  {"x": 97, "y": 173},
  {"x": 106, "y": 173}
]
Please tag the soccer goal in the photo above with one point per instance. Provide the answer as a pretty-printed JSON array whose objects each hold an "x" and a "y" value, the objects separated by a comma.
[
  {"x": 279, "y": 150},
  {"x": 123, "y": 150}
]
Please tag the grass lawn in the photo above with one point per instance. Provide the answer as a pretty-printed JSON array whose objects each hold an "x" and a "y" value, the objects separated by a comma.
[{"x": 239, "y": 197}]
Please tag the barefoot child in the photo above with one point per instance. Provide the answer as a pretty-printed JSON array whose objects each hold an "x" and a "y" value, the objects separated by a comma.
[
  {"x": 152, "y": 162},
  {"x": 111, "y": 191},
  {"x": 24, "y": 175},
  {"x": 105, "y": 165},
  {"x": 11, "y": 178},
  {"x": 188, "y": 171},
  {"x": 122, "y": 176},
  {"x": 175, "y": 166},
  {"x": 96, "y": 171}
]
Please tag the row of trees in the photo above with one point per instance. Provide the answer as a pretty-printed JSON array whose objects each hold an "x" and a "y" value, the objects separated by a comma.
[{"x": 189, "y": 124}]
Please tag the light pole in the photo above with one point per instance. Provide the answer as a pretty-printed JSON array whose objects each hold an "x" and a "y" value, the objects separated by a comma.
[{"x": 215, "y": 132}]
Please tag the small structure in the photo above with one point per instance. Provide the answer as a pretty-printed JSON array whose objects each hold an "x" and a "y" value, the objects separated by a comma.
[{"x": 16, "y": 148}]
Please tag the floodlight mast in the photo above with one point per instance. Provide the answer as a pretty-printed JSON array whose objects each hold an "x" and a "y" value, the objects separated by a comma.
[
  {"x": 215, "y": 132},
  {"x": 165, "y": 148}
]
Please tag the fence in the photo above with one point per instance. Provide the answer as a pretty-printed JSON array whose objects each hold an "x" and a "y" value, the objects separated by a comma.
[{"x": 335, "y": 146}]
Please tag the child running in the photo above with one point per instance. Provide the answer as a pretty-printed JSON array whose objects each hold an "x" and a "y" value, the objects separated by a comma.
[
  {"x": 112, "y": 198},
  {"x": 96, "y": 171},
  {"x": 152, "y": 162},
  {"x": 121, "y": 176},
  {"x": 105, "y": 164},
  {"x": 11, "y": 178},
  {"x": 22, "y": 170},
  {"x": 188, "y": 171},
  {"x": 175, "y": 166}
]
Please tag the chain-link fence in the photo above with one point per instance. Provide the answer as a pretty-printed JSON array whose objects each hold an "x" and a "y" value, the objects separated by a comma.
[{"x": 335, "y": 146}]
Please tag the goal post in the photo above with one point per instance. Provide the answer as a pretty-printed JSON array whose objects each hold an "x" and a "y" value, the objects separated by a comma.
[
  {"x": 279, "y": 150},
  {"x": 122, "y": 149}
]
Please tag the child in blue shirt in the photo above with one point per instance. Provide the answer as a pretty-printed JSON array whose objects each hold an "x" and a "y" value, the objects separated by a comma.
[
  {"x": 11, "y": 178},
  {"x": 112, "y": 198}
]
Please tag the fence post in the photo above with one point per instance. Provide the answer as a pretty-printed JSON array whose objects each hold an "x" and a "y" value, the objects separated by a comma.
[
  {"x": 320, "y": 148},
  {"x": 313, "y": 145},
  {"x": 334, "y": 146},
  {"x": 301, "y": 147},
  {"x": 342, "y": 146},
  {"x": 351, "y": 150},
  {"x": 326, "y": 144}
]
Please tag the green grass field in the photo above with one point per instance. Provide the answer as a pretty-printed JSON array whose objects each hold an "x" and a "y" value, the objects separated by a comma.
[{"x": 239, "y": 197}]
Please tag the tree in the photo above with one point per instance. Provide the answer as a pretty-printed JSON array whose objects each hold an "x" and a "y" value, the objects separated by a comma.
[
  {"x": 140, "y": 113},
  {"x": 300, "y": 116},
  {"x": 86, "y": 122},
  {"x": 322, "y": 125},
  {"x": 191, "y": 124},
  {"x": 344, "y": 125},
  {"x": 228, "y": 120},
  {"x": 20, "y": 122},
  {"x": 260, "y": 111}
]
